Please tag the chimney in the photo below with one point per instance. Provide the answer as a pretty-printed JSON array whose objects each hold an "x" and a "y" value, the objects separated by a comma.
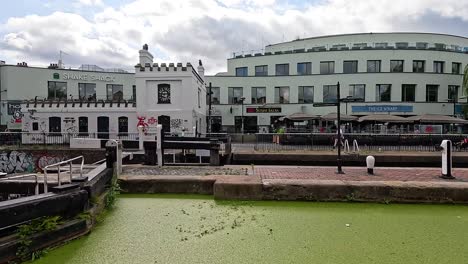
[
  {"x": 145, "y": 56},
  {"x": 201, "y": 70}
]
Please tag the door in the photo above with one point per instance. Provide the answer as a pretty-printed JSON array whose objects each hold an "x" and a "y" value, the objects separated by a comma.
[
  {"x": 165, "y": 122},
  {"x": 103, "y": 127}
]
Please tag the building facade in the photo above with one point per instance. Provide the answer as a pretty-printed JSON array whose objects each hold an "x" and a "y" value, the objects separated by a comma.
[{"x": 402, "y": 74}]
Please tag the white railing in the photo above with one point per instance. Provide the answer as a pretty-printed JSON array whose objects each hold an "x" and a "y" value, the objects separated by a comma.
[
  {"x": 36, "y": 188},
  {"x": 58, "y": 164}
]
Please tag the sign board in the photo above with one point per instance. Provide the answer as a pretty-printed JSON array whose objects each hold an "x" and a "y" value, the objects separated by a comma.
[
  {"x": 263, "y": 110},
  {"x": 382, "y": 108},
  {"x": 85, "y": 143},
  {"x": 202, "y": 153},
  {"x": 14, "y": 107},
  {"x": 83, "y": 77}
]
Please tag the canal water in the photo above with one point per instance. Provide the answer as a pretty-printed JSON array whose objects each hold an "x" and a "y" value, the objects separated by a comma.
[{"x": 197, "y": 229}]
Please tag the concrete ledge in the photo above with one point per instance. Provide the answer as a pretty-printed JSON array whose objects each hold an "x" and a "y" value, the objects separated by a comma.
[
  {"x": 167, "y": 184},
  {"x": 366, "y": 191},
  {"x": 238, "y": 188},
  {"x": 98, "y": 179}
]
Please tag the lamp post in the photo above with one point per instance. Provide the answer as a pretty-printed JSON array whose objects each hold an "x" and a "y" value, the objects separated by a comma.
[
  {"x": 242, "y": 99},
  {"x": 208, "y": 129}
]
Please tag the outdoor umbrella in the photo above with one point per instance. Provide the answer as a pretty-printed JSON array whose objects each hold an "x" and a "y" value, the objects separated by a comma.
[
  {"x": 299, "y": 117},
  {"x": 385, "y": 119},
  {"x": 333, "y": 117},
  {"x": 439, "y": 119}
]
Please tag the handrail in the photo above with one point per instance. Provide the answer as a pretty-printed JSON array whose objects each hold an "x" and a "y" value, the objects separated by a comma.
[
  {"x": 355, "y": 146},
  {"x": 69, "y": 161},
  {"x": 36, "y": 189}
]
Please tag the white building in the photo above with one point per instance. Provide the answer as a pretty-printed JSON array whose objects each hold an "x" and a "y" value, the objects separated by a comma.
[
  {"x": 394, "y": 73},
  {"x": 71, "y": 101}
]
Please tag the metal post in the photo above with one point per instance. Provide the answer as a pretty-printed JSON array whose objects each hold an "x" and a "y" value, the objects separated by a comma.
[
  {"x": 208, "y": 129},
  {"x": 242, "y": 117},
  {"x": 338, "y": 117},
  {"x": 159, "y": 151},
  {"x": 140, "y": 137}
]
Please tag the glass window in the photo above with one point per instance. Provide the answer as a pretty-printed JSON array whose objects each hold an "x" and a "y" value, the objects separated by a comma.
[
  {"x": 432, "y": 93},
  {"x": 330, "y": 93},
  {"x": 123, "y": 124},
  {"x": 396, "y": 65},
  {"x": 215, "y": 95},
  {"x": 306, "y": 94},
  {"x": 419, "y": 66},
  {"x": 327, "y": 67},
  {"x": 234, "y": 95},
  {"x": 304, "y": 68},
  {"x": 408, "y": 92},
  {"x": 453, "y": 92},
  {"x": 164, "y": 93},
  {"x": 134, "y": 93},
  {"x": 373, "y": 66},
  {"x": 87, "y": 91},
  {"x": 421, "y": 45},
  {"x": 350, "y": 66},
  {"x": 439, "y": 66},
  {"x": 401, "y": 45},
  {"x": 261, "y": 70},
  {"x": 282, "y": 95},
  {"x": 83, "y": 124},
  {"x": 384, "y": 92},
  {"x": 115, "y": 92},
  {"x": 57, "y": 90},
  {"x": 35, "y": 126},
  {"x": 282, "y": 69},
  {"x": 241, "y": 71},
  {"x": 258, "y": 95},
  {"x": 456, "y": 67},
  {"x": 358, "y": 91},
  {"x": 55, "y": 124},
  {"x": 199, "y": 98},
  {"x": 381, "y": 45}
]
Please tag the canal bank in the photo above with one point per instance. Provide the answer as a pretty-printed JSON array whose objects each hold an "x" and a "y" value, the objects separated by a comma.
[{"x": 197, "y": 229}]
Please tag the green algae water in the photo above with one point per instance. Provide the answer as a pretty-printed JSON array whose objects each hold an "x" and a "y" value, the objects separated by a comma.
[{"x": 197, "y": 229}]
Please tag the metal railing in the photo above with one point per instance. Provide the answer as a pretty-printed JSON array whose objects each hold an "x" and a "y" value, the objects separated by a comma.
[
  {"x": 58, "y": 164},
  {"x": 36, "y": 188},
  {"x": 46, "y": 138}
]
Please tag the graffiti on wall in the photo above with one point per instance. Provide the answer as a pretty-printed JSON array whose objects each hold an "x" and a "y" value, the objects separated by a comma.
[
  {"x": 16, "y": 161},
  {"x": 19, "y": 161},
  {"x": 69, "y": 125}
]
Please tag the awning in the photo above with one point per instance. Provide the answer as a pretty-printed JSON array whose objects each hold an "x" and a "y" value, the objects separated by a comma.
[
  {"x": 439, "y": 119},
  {"x": 385, "y": 119},
  {"x": 333, "y": 117},
  {"x": 299, "y": 117}
]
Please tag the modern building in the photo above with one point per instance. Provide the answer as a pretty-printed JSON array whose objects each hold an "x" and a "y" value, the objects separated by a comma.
[
  {"x": 403, "y": 74},
  {"x": 111, "y": 104}
]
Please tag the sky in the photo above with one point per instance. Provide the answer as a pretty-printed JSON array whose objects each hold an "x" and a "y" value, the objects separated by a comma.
[{"x": 109, "y": 33}]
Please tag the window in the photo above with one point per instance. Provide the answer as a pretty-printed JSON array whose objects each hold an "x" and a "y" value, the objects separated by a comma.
[
  {"x": 261, "y": 70},
  {"x": 432, "y": 93},
  {"x": 304, "y": 68},
  {"x": 55, "y": 124},
  {"x": 234, "y": 95},
  {"x": 306, "y": 94},
  {"x": 383, "y": 92},
  {"x": 329, "y": 93},
  {"x": 35, "y": 126},
  {"x": 327, "y": 67},
  {"x": 358, "y": 91},
  {"x": 258, "y": 95},
  {"x": 373, "y": 66},
  {"x": 418, "y": 66},
  {"x": 215, "y": 99},
  {"x": 87, "y": 91},
  {"x": 123, "y": 125},
  {"x": 282, "y": 69},
  {"x": 164, "y": 93},
  {"x": 350, "y": 66},
  {"x": 241, "y": 71},
  {"x": 396, "y": 66},
  {"x": 83, "y": 124},
  {"x": 408, "y": 92},
  {"x": 115, "y": 92},
  {"x": 199, "y": 98},
  {"x": 401, "y": 45},
  {"x": 453, "y": 92},
  {"x": 282, "y": 95},
  {"x": 456, "y": 67},
  {"x": 421, "y": 45},
  {"x": 57, "y": 90},
  {"x": 381, "y": 45},
  {"x": 134, "y": 93},
  {"x": 439, "y": 66}
]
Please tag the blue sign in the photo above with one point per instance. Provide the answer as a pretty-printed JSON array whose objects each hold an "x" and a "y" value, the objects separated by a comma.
[
  {"x": 458, "y": 109},
  {"x": 382, "y": 108}
]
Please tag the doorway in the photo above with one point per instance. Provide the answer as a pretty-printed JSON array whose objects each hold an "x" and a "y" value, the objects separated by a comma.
[
  {"x": 165, "y": 122},
  {"x": 103, "y": 127}
]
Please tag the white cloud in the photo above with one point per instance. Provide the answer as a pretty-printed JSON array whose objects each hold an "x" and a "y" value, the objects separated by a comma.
[{"x": 207, "y": 29}]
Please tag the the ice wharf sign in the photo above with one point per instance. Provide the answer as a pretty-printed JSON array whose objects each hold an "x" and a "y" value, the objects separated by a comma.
[{"x": 382, "y": 108}]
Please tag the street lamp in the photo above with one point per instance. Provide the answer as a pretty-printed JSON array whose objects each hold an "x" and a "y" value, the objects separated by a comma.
[
  {"x": 242, "y": 99},
  {"x": 208, "y": 129}
]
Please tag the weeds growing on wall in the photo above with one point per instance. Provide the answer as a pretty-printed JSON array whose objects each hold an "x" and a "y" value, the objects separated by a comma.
[
  {"x": 25, "y": 233},
  {"x": 114, "y": 190}
]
